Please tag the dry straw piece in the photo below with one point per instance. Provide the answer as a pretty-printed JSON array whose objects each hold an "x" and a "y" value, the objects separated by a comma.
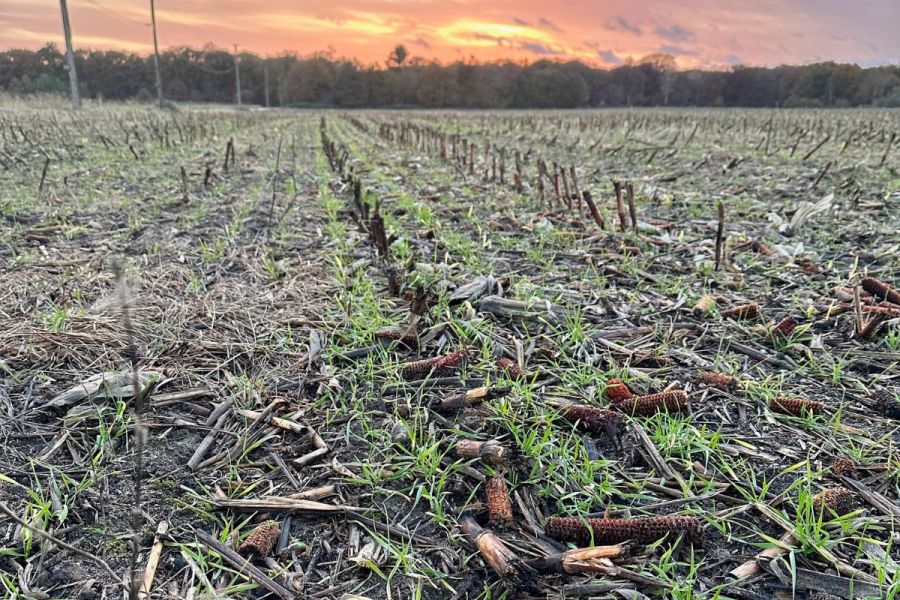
[
  {"x": 617, "y": 391},
  {"x": 742, "y": 312},
  {"x": 837, "y": 499},
  {"x": 499, "y": 505},
  {"x": 672, "y": 401},
  {"x": 511, "y": 368},
  {"x": 720, "y": 381},
  {"x": 797, "y": 407},
  {"x": 591, "y": 418},
  {"x": 643, "y": 530},
  {"x": 262, "y": 540}
]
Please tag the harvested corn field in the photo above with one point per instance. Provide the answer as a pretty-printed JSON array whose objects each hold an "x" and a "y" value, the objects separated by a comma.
[{"x": 645, "y": 353}]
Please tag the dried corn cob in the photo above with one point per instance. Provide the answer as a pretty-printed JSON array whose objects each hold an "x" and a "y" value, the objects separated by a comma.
[
  {"x": 671, "y": 401},
  {"x": 511, "y": 368},
  {"x": 262, "y": 540},
  {"x": 499, "y": 505},
  {"x": 720, "y": 381},
  {"x": 643, "y": 530},
  {"x": 742, "y": 312},
  {"x": 783, "y": 329},
  {"x": 887, "y": 404},
  {"x": 406, "y": 337},
  {"x": 796, "y": 406},
  {"x": 760, "y": 248},
  {"x": 843, "y": 466},
  {"x": 616, "y": 391},
  {"x": 836, "y": 499},
  {"x": 880, "y": 290},
  {"x": 590, "y": 418},
  {"x": 420, "y": 368}
]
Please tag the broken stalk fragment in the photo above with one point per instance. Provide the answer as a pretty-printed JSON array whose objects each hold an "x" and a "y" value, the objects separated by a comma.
[
  {"x": 501, "y": 559},
  {"x": 472, "y": 397},
  {"x": 704, "y": 305},
  {"x": 579, "y": 560},
  {"x": 742, "y": 312},
  {"x": 491, "y": 452}
]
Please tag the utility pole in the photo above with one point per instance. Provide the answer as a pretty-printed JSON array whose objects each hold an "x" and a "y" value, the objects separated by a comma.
[
  {"x": 237, "y": 75},
  {"x": 70, "y": 55},
  {"x": 159, "y": 90},
  {"x": 266, "y": 79}
]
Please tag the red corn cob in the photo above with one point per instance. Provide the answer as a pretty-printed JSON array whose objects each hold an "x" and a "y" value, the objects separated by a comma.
[
  {"x": 511, "y": 368},
  {"x": 420, "y": 368},
  {"x": 499, "y": 505},
  {"x": 397, "y": 334},
  {"x": 643, "y": 530},
  {"x": 880, "y": 290},
  {"x": 671, "y": 401},
  {"x": 891, "y": 312},
  {"x": 837, "y": 499},
  {"x": 795, "y": 406},
  {"x": 843, "y": 466},
  {"x": 887, "y": 404},
  {"x": 744, "y": 311},
  {"x": 262, "y": 540},
  {"x": 784, "y": 329},
  {"x": 760, "y": 248},
  {"x": 720, "y": 381},
  {"x": 616, "y": 391},
  {"x": 590, "y": 418}
]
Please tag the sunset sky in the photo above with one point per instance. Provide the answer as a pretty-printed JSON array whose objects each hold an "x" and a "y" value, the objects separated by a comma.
[{"x": 699, "y": 33}]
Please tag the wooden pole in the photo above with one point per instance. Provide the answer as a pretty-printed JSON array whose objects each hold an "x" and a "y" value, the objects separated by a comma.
[
  {"x": 70, "y": 55},
  {"x": 237, "y": 75},
  {"x": 159, "y": 88},
  {"x": 266, "y": 80}
]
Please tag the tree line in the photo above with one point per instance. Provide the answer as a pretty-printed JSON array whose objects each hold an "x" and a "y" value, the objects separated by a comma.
[{"x": 207, "y": 75}]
